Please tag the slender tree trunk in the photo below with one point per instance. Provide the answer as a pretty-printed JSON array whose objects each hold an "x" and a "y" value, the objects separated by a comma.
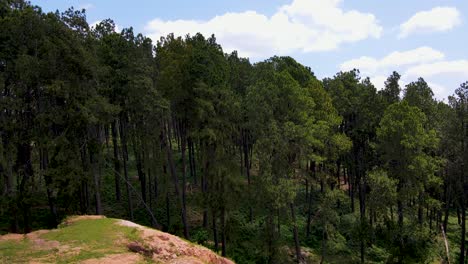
[
  {"x": 309, "y": 210},
  {"x": 420, "y": 209},
  {"x": 351, "y": 189},
  {"x": 215, "y": 230},
  {"x": 154, "y": 223},
  {"x": 278, "y": 227},
  {"x": 324, "y": 244},
  {"x": 204, "y": 183},
  {"x": 463, "y": 196},
  {"x": 118, "y": 194},
  {"x": 362, "y": 210},
  {"x": 139, "y": 155},
  {"x": 44, "y": 162},
  {"x": 464, "y": 153},
  {"x": 184, "y": 178},
  {"x": 94, "y": 159},
  {"x": 247, "y": 171},
  {"x": 309, "y": 214},
  {"x": 446, "y": 216},
  {"x": 14, "y": 225},
  {"x": 400, "y": 227},
  {"x": 97, "y": 193},
  {"x": 338, "y": 176},
  {"x": 25, "y": 170},
  {"x": 295, "y": 234},
  {"x": 463, "y": 233},
  {"x": 168, "y": 212},
  {"x": 123, "y": 136},
  {"x": 193, "y": 171},
  {"x": 431, "y": 216},
  {"x": 172, "y": 169},
  {"x": 84, "y": 194},
  {"x": 223, "y": 231}
]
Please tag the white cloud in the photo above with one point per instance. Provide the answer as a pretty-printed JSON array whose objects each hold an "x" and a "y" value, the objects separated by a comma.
[
  {"x": 303, "y": 25},
  {"x": 435, "y": 20},
  {"x": 455, "y": 67},
  {"x": 422, "y": 62},
  {"x": 395, "y": 59},
  {"x": 441, "y": 92}
]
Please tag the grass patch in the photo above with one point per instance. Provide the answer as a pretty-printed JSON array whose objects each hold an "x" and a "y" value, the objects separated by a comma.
[
  {"x": 14, "y": 251},
  {"x": 84, "y": 239},
  {"x": 95, "y": 238},
  {"x": 100, "y": 232}
]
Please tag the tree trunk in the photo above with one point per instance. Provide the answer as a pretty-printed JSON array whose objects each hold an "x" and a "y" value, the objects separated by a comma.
[
  {"x": 215, "y": 230},
  {"x": 44, "y": 162},
  {"x": 247, "y": 171},
  {"x": 204, "y": 183},
  {"x": 182, "y": 127},
  {"x": 400, "y": 227},
  {"x": 223, "y": 231},
  {"x": 139, "y": 156},
  {"x": 123, "y": 136},
  {"x": 193, "y": 171},
  {"x": 463, "y": 233},
  {"x": 464, "y": 153},
  {"x": 118, "y": 194},
  {"x": 94, "y": 159},
  {"x": 97, "y": 193},
  {"x": 295, "y": 234},
  {"x": 324, "y": 244},
  {"x": 362, "y": 210},
  {"x": 338, "y": 168},
  {"x": 172, "y": 169},
  {"x": 278, "y": 223},
  {"x": 168, "y": 212},
  {"x": 25, "y": 170},
  {"x": 420, "y": 209},
  {"x": 309, "y": 210},
  {"x": 447, "y": 204}
]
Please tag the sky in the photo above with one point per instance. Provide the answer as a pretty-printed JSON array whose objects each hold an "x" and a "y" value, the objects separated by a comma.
[{"x": 417, "y": 38}]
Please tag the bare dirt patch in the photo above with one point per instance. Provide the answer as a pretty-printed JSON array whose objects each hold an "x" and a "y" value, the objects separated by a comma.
[
  {"x": 72, "y": 219},
  {"x": 16, "y": 237},
  {"x": 167, "y": 248},
  {"x": 116, "y": 259}
]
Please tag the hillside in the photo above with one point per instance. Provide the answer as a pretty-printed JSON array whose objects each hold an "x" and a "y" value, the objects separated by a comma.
[{"x": 97, "y": 239}]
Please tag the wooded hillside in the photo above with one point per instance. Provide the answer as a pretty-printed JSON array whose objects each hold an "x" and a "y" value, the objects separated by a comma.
[{"x": 262, "y": 162}]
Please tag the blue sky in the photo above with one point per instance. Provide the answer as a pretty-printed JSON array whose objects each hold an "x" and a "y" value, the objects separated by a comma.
[{"x": 426, "y": 38}]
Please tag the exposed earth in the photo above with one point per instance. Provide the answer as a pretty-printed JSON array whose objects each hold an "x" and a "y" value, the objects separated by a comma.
[{"x": 97, "y": 239}]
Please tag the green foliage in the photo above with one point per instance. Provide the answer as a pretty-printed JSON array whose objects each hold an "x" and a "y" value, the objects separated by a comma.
[{"x": 183, "y": 136}]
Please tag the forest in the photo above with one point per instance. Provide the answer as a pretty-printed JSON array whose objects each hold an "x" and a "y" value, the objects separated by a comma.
[{"x": 261, "y": 162}]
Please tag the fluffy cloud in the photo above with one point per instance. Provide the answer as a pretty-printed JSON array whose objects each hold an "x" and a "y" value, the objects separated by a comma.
[
  {"x": 303, "y": 25},
  {"x": 435, "y": 20},
  {"x": 372, "y": 66},
  {"x": 421, "y": 62},
  {"x": 454, "y": 68}
]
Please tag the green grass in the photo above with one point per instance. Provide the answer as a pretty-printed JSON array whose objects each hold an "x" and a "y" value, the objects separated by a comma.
[
  {"x": 87, "y": 238},
  {"x": 98, "y": 232},
  {"x": 14, "y": 251}
]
